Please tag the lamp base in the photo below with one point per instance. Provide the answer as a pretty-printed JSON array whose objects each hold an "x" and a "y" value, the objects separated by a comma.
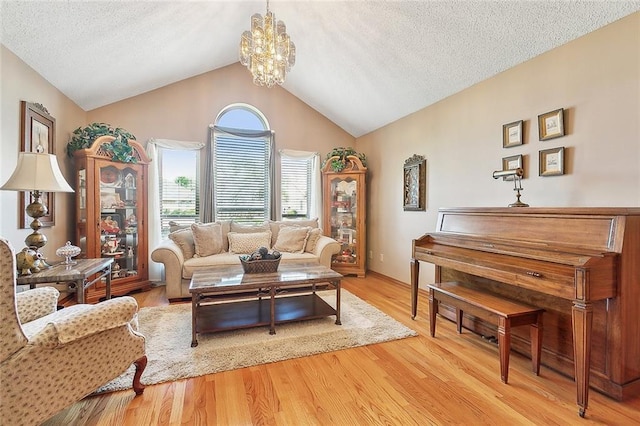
[
  {"x": 36, "y": 240},
  {"x": 518, "y": 203}
]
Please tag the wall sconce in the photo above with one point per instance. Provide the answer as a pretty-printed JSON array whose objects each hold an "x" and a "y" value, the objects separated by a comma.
[
  {"x": 517, "y": 183},
  {"x": 37, "y": 172}
]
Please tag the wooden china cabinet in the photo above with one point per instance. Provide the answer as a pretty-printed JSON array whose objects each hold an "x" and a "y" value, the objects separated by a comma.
[
  {"x": 111, "y": 215},
  {"x": 344, "y": 212}
]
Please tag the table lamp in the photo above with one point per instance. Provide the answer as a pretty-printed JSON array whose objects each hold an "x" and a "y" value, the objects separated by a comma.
[
  {"x": 517, "y": 183},
  {"x": 37, "y": 172}
]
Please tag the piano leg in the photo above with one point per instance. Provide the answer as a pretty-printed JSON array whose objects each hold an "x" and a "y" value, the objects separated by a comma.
[
  {"x": 582, "y": 320},
  {"x": 433, "y": 310},
  {"x": 415, "y": 270},
  {"x": 535, "y": 333}
]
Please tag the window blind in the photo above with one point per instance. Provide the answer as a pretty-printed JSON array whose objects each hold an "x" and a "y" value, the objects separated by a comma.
[
  {"x": 241, "y": 178},
  {"x": 179, "y": 187},
  {"x": 295, "y": 181}
]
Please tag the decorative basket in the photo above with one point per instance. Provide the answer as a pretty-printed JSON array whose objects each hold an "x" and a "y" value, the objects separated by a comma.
[{"x": 260, "y": 266}]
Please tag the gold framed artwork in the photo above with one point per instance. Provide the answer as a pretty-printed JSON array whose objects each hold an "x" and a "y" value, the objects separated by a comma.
[
  {"x": 551, "y": 162},
  {"x": 414, "y": 185},
  {"x": 551, "y": 124},
  {"x": 511, "y": 163},
  {"x": 512, "y": 134},
  {"x": 37, "y": 133}
]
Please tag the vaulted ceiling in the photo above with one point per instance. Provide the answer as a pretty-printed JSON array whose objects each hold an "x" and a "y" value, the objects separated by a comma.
[{"x": 362, "y": 64}]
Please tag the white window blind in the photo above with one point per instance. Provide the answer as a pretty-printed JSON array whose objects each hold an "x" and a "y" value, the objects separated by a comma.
[
  {"x": 241, "y": 178},
  {"x": 179, "y": 187},
  {"x": 295, "y": 183}
]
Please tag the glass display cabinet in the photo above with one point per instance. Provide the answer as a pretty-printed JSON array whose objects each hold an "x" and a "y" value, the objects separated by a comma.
[
  {"x": 344, "y": 211},
  {"x": 111, "y": 215}
]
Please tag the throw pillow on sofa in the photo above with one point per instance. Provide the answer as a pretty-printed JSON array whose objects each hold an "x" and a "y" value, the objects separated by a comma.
[
  {"x": 292, "y": 239},
  {"x": 245, "y": 228},
  {"x": 184, "y": 239},
  {"x": 207, "y": 238},
  {"x": 175, "y": 226},
  {"x": 275, "y": 226},
  {"x": 246, "y": 243},
  {"x": 233, "y": 226},
  {"x": 312, "y": 240}
]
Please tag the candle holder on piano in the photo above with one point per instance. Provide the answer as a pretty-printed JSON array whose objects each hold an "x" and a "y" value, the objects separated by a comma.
[{"x": 517, "y": 183}]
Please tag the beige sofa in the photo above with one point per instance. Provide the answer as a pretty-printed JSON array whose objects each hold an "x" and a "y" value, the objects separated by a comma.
[{"x": 188, "y": 249}]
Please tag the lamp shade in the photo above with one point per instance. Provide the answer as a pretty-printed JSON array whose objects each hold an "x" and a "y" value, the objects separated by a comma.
[{"x": 37, "y": 172}]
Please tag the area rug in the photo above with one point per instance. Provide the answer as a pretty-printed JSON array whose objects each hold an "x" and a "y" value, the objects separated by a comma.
[{"x": 170, "y": 356}]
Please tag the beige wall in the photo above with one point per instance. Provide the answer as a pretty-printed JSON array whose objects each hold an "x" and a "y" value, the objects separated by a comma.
[
  {"x": 595, "y": 78},
  {"x": 184, "y": 110},
  {"x": 21, "y": 83}
]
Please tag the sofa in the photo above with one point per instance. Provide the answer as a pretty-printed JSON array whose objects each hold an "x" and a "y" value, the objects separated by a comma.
[{"x": 199, "y": 246}]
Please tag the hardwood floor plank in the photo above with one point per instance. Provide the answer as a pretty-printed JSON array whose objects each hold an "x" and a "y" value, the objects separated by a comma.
[
  {"x": 260, "y": 394},
  {"x": 449, "y": 379},
  {"x": 231, "y": 402}
]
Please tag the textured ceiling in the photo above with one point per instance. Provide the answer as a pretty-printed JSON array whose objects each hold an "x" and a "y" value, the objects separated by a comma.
[{"x": 362, "y": 64}]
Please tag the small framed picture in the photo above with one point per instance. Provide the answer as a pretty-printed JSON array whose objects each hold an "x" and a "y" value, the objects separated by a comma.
[
  {"x": 551, "y": 162},
  {"x": 511, "y": 163},
  {"x": 551, "y": 124},
  {"x": 512, "y": 134}
]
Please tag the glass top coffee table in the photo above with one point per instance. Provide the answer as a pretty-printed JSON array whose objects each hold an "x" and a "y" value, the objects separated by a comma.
[{"x": 226, "y": 298}]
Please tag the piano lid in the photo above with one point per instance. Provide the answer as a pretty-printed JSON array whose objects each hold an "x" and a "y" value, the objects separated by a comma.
[{"x": 599, "y": 229}]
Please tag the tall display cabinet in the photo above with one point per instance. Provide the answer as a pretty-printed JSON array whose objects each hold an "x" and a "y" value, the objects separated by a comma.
[
  {"x": 111, "y": 215},
  {"x": 345, "y": 208}
]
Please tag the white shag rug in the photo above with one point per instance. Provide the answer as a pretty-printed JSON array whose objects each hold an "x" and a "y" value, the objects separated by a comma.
[{"x": 170, "y": 356}]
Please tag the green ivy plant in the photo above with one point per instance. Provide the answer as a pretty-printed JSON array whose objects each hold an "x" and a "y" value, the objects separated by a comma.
[
  {"x": 119, "y": 148},
  {"x": 338, "y": 164}
]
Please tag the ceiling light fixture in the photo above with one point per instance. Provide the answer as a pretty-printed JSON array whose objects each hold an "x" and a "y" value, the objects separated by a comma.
[{"x": 266, "y": 50}]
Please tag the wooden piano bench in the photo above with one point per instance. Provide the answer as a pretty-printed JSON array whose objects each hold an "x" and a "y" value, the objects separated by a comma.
[{"x": 504, "y": 313}]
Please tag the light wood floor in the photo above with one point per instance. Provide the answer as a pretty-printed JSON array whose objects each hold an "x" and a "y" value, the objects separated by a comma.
[{"x": 449, "y": 379}]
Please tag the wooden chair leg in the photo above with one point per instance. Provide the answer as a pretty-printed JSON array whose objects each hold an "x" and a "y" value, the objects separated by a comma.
[
  {"x": 459, "y": 315},
  {"x": 141, "y": 364}
]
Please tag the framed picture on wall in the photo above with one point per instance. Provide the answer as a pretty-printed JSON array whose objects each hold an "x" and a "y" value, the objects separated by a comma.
[
  {"x": 414, "y": 185},
  {"x": 511, "y": 163},
  {"x": 551, "y": 124},
  {"x": 37, "y": 134},
  {"x": 551, "y": 162},
  {"x": 512, "y": 134}
]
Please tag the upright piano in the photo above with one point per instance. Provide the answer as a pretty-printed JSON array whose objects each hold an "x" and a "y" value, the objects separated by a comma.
[{"x": 582, "y": 265}]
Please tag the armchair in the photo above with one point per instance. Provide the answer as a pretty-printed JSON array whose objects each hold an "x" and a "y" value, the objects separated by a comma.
[{"x": 50, "y": 359}]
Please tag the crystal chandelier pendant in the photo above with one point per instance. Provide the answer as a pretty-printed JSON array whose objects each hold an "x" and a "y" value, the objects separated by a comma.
[{"x": 267, "y": 50}]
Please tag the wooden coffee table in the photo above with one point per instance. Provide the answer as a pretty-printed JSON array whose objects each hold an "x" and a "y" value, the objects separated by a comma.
[{"x": 225, "y": 298}]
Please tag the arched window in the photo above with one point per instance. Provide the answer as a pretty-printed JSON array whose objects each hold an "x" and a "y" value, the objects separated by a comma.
[{"x": 242, "y": 165}]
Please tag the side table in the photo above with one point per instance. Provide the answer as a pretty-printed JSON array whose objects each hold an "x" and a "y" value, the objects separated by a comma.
[{"x": 76, "y": 275}]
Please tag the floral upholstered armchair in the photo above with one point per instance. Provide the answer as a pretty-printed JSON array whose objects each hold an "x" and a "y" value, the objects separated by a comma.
[{"x": 50, "y": 359}]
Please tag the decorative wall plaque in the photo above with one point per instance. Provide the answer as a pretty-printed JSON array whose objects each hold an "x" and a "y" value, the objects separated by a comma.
[{"x": 415, "y": 187}]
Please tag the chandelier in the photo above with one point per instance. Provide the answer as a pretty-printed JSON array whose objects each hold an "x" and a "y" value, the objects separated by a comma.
[{"x": 266, "y": 50}]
